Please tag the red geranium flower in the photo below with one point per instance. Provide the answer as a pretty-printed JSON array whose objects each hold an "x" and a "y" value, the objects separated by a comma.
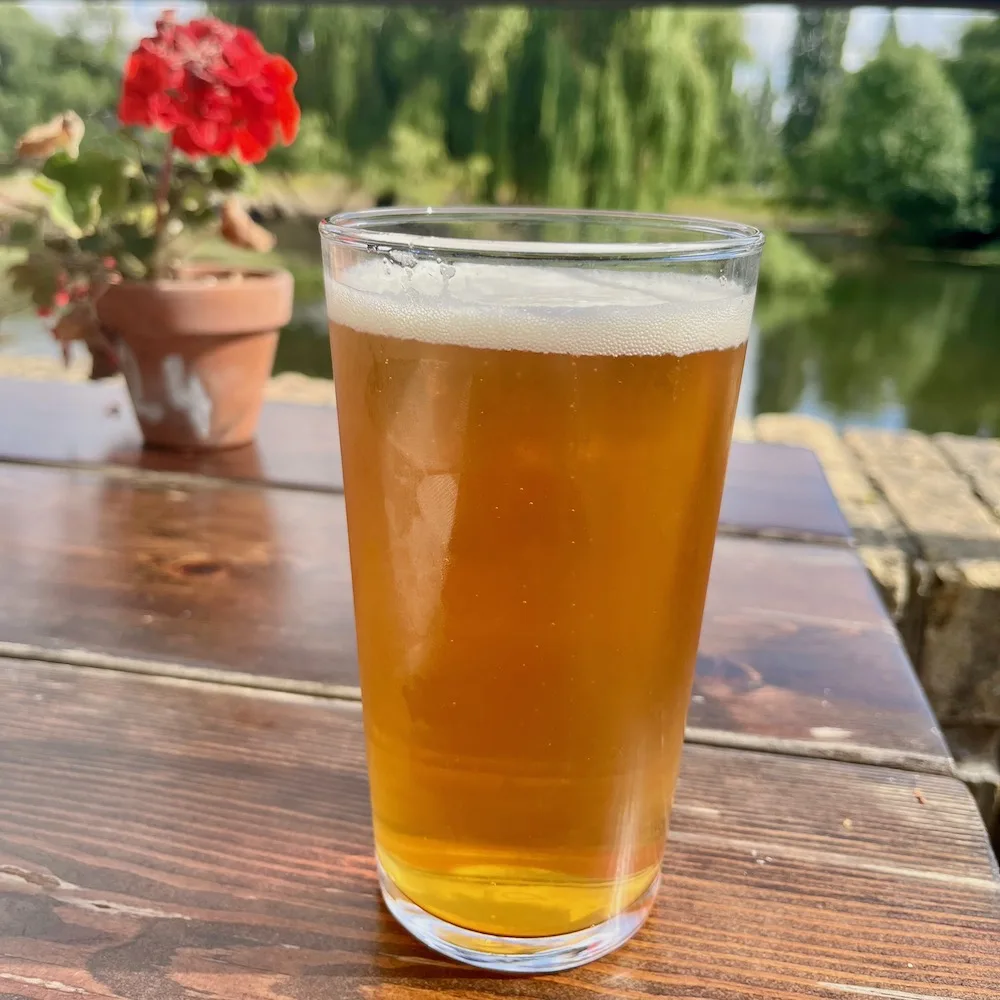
[{"x": 213, "y": 87}]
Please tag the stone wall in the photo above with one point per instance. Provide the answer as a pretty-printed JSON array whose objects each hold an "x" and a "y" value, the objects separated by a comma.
[{"x": 925, "y": 511}]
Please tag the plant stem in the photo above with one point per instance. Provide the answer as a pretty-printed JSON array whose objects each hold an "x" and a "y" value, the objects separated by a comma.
[{"x": 163, "y": 203}]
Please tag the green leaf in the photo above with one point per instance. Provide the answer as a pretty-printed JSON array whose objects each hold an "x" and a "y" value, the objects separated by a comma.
[
  {"x": 38, "y": 275},
  {"x": 96, "y": 182},
  {"x": 114, "y": 192},
  {"x": 60, "y": 210},
  {"x": 229, "y": 176},
  {"x": 190, "y": 196},
  {"x": 186, "y": 171},
  {"x": 97, "y": 244},
  {"x": 141, "y": 218},
  {"x": 136, "y": 250},
  {"x": 199, "y": 216},
  {"x": 87, "y": 210},
  {"x": 64, "y": 170},
  {"x": 20, "y": 233},
  {"x": 131, "y": 266}
]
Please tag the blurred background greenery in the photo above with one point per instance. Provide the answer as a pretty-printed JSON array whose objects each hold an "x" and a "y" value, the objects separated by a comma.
[{"x": 879, "y": 187}]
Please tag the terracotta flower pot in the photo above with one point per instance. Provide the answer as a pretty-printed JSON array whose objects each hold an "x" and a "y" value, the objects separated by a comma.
[{"x": 196, "y": 351}]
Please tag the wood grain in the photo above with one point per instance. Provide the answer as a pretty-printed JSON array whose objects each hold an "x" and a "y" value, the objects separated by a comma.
[
  {"x": 234, "y": 579},
  {"x": 770, "y": 489},
  {"x": 796, "y": 646},
  {"x": 254, "y": 584},
  {"x": 71, "y": 424},
  {"x": 779, "y": 491},
  {"x": 166, "y": 839}
]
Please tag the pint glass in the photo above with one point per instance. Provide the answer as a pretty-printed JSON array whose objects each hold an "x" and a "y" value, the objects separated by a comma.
[{"x": 535, "y": 411}]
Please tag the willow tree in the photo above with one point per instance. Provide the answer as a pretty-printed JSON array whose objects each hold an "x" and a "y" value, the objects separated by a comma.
[
  {"x": 599, "y": 107},
  {"x": 815, "y": 73},
  {"x": 611, "y": 108}
]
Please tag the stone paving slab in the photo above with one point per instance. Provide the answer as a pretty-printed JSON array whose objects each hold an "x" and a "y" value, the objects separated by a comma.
[
  {"x": 883, "y": 542},
  {"x": 956, "y": 597},
  {"x": 977, "y": 763},
  {"x": 935, "y": 503},
  {"x": 979, "y": 460},
  {"x": 926, "y": 515},
  {"x": 960, "y": 667}
]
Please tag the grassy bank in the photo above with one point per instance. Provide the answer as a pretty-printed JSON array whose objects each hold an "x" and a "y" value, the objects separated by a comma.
[
  {"x": 767, "y": 212},
  {"x": 317, "y": 195},
  {"x": 292, "y": 202}
]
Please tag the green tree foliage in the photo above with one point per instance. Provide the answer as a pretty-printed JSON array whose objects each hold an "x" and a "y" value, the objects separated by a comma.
[
  {"x": 43, "y": 73},
  {"x": 750, "y": 150},
  {"x": 614, "y": 108},
  {"x": 976, "y": 73},
  {"x": 902, "y": 146},
  {"x": 601, "y": 107},
  {"x": 814, "y": 80},
  {"x": 760, "y": 146},
  {"x": 874, "y": 349}
]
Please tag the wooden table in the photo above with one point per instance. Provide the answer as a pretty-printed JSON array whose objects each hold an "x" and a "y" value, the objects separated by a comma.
[
  {"x": 774, "y": 491},
  {"x": 183, "y": 802}
]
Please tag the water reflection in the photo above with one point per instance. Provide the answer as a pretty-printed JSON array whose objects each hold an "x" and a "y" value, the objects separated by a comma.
[
  {"x": 890, "y": 342},
  {"x": 304, "y": 345}
]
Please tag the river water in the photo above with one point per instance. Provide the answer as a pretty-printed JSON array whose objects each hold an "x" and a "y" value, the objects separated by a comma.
[{"x": 892, "y": 342}]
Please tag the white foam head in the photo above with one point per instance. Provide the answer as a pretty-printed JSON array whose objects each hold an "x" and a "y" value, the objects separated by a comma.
[{"x": 556, "y": 310}]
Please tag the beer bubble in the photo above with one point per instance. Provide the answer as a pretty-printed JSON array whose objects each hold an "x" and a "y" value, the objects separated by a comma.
[
  {"x": 404, "y": 258},
  {"x": 557, "y": 310}
]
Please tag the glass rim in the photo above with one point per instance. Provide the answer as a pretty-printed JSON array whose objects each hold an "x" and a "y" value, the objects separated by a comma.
[{"x": 723, "y": 239}]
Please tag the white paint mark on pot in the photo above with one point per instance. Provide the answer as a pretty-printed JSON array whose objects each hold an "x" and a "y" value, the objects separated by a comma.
[
  {"x": 146, "y": 409},
  {"x": 185, "y": 393}
]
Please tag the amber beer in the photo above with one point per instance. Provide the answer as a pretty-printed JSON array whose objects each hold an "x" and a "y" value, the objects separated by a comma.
[{"x": 533, "y": 464}]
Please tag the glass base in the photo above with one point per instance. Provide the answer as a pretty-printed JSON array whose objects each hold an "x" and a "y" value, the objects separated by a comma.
[{"x": 517, "y": 954}]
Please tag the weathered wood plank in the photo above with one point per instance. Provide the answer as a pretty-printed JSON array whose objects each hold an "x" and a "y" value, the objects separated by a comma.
[
  {"x": 229, "y": 578},
  {"x": 162, "y": 839},
  {"x": 779, "y": 491},
  {"x": 255, "y": 584},
  {"x": 796, "y": 646},
  {"x": 71, "y": 424},
  {"x": 770, "y": 489}
]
